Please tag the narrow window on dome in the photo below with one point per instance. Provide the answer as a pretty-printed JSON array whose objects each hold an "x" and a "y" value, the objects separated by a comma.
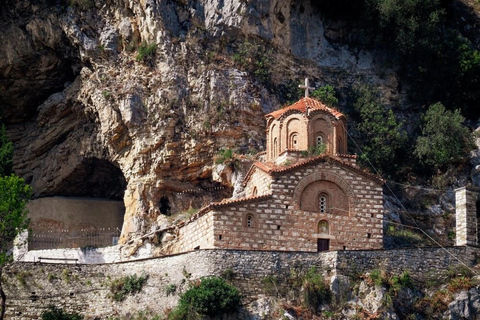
[
  {"x": 294, "y": 141},
  {"x": 319, "y": 141},
  {"x": 275, "y": 148}
]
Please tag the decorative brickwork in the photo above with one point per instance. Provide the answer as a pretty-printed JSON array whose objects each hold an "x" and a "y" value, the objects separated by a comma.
[{"x": 306, "y": 124}]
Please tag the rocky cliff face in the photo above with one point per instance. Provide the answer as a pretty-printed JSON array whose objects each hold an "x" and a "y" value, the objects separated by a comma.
[{"x": 132, "y": 99}]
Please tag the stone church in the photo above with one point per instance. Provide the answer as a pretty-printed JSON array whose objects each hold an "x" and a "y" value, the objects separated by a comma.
[{"x": 297, "y": 198}]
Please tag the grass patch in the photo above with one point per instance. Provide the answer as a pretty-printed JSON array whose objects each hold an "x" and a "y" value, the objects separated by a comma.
[
  {"x": 146, "y": 51},
  {"x": 127, "y": 285}
]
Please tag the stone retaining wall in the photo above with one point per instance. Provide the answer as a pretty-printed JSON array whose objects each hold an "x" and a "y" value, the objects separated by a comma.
[{"x": 85, "y": 288}]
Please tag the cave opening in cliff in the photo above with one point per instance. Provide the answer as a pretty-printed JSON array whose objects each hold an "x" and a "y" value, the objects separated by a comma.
[
  {"x": 164, "y": 205},
  {"x": 86, "y": 206},
  {"x": 93, "y": 178}
]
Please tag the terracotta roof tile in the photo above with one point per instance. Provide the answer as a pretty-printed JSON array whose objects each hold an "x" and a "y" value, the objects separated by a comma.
[
  {"x": 302, "y": 105},
  {"x": 273, "y": 169}
]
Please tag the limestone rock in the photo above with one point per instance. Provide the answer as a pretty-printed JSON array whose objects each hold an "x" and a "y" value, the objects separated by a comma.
[
  {"x": 80, "y": 101},
  {"x": 340, "y": 287},
  {"x": 466, "y": 305}
]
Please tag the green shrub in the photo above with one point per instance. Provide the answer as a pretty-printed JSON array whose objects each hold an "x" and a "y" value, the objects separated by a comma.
[
  {"x": 226, "y": 156},
  {"x": 54, "y": 313},
  {"x": 376, "y": 277},
  {"x": 383, "y": 138},
  {"x": 228, "y": 274},
  {"x": 146, "y": 51},
  {"x": 315, "y": 291},
  {"x": 326, "y": 94},
  {"x": 122, "y": 287},
  {"x": 444, "y": 139},
  {"x": 211, "y": 297},
  {"x": 438, "y": 61},
  {"x": 255, "y": 58},
  {"x": 401, "y": 281}
]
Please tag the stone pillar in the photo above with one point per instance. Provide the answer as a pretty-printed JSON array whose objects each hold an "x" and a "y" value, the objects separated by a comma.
[{"x": 466, "y": 216}]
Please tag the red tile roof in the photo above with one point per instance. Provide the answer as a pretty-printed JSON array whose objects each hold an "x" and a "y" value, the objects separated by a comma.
[
  {"x": 274, "y": 169},
  {"x": 302, "y": 105}
]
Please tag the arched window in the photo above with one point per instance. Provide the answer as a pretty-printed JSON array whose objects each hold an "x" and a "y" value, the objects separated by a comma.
[
  {"x": 319, "y": 140},
  {"x": 250, "y": 221},
  {"x": 323, "y": 227},
  {"x": 340, "y": 145},
  {"x": 275, "y": 148},
  {"x": 294, "y": 141},
  {"x": 323, "y": 203},
  {"x": 254, "y": 191}
]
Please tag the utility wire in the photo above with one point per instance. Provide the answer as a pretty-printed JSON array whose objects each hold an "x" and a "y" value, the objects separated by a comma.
[{"x": 415, "y": 187}]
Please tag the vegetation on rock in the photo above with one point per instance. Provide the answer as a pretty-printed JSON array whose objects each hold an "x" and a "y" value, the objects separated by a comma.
[
  {"x": 383, "y": 134},
  {"x": 146, "y": 52},
  {"x": 255, "y": 57},
  {"x": 211, "y": 296},
  {"x": 128, "y": 285},
  {"x": 444, "y": 139},
  {"x": 326, "y": 94},
  {"x": 54, "y": 313}
]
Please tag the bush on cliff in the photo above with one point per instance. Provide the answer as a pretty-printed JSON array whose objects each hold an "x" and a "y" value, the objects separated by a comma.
[
  {"x": 54, "y": 313},
  {"x": 212, "y": 297}
]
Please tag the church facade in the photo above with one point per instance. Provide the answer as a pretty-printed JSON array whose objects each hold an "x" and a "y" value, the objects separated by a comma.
[{"x": 306, "y": 194}]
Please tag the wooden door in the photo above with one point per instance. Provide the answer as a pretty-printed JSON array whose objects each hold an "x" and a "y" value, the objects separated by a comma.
[{"x": 323, "y": 245}]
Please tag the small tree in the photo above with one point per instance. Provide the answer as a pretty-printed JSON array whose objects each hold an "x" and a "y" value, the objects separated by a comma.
[
  {"x": 14, "y": 195},
  {"x": 326, "y": 94},
  {"x": 211, "y": 297},
  {"x": 380, "y": 129},
  {"x": 444, "y": 139}
]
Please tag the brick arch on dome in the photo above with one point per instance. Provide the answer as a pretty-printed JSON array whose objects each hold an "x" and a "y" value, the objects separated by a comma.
[
  {"x": 329, "y": 177},
  {"x": 294, "y": 124},
  {"x": 322, "y": 124}
]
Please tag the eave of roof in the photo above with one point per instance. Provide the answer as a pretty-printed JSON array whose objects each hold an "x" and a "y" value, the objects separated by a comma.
[{"x": 302, "y": 105}]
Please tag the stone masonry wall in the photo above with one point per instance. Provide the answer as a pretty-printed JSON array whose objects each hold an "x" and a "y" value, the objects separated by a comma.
[
  {"x": 280, "y": 224},
  {"x": 466, "y": 217},
  {"x": 32, "y": 287},
  {"x": 198, "y": 234},
  {"x": 260, "y": 180},
  {"x": 360, "y": 228}
]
